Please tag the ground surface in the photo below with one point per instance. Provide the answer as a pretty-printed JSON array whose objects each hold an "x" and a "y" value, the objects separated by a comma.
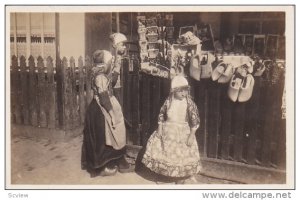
[{"x": 41, "y": 162}]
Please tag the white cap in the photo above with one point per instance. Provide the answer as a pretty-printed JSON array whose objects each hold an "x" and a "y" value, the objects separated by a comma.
[
  {"x": 179, "y": 81},
  {"x": 117, "y": 38},
  {"x": 102, "y": 56}
]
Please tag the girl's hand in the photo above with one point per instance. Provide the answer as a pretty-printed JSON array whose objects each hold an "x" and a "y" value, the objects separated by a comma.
[
  {"x": 190, "y": 140},
  {"x": 113, "y": 119}
]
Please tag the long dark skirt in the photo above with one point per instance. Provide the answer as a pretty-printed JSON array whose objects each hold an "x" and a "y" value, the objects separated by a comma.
[{"x": 95, "y": 153}]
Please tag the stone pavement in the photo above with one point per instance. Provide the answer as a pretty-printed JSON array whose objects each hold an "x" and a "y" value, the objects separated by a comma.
[{"x": 42, "y": 162}]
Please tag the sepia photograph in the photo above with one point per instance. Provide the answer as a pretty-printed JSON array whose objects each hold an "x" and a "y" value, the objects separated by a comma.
[{"x": 149, "y": 97}]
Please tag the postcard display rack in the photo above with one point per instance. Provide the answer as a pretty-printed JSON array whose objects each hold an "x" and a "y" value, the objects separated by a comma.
[
  {"x": 156, "y": 36},
  {"x": 160, "y": 54}
]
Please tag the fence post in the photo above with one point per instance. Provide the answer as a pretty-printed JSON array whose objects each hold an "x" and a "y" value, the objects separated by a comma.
[
  {"x": 155, "y": 104},
  {"x": 238, "y": 130},
  {"x": 226, "y": 121},
  {"x": 145, "y": 108},
  {"x": 199, "y": 97},
  {"x": 213, "y": 119},
  {"x": 88, "y": 68},
  {"x": 135, "y": 108},
  {"x": 268, "y": 127},
  {"x": 82, "y": 80},
  {"x": 13, "y": 79},
  {"x": 25, "y": 91},
  {"x": 60, "y": 91},
  {"x": 33, "y": 101},
  {"x": 51, "y": 100},
  {"x": 74, "y": 102},
  {"x": 67, "y": 92},
  {"x": 18, "y": 93},
  {"x": 126, "y": 100},
  {"x": 252, "y": 122},
  {"x": 41, "y": 93}
]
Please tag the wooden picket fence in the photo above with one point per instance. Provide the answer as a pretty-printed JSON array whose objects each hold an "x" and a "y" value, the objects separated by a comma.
[
  {"x": 251, "y": 132},
  {"x": 49, "y": 95},
  {"x": 55, "y": 94}
]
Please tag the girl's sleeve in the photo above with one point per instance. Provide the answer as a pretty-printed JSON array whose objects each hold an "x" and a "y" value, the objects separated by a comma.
[
  {"x": 101, "y": 83},
  {"x": 114, "y": 78},
  {"x": 117, "y": 70},
  {"x": 163, "y": 112},
  {"x": 193, "y": 115}
]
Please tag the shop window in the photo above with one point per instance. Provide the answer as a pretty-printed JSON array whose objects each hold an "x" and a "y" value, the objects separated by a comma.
[
  {"x": 262, "y": 23},
  {"x": 32, "y": 34}
]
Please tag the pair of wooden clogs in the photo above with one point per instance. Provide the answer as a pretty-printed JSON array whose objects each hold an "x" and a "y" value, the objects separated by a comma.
[
  {"x": 240, "y": 87},
  {"x": 222, "y": 72},
  {"x": 200, "y": 66}
]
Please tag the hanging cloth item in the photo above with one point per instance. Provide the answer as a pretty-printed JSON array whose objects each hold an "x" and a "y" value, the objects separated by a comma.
[
  {"x": 205, "y": 64},
  {"x": 195, "y": 68}
]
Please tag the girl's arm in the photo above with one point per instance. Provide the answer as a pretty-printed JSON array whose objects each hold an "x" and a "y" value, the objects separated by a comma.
[
  {"x": 117, "y": 70},
  {"x": 103, "y": 96},
  {"x": 194, "y": 121},
  {"x": 193, "y": 115},
  {"x": 162, "y": 116},
  {"x": 163, "y": 112},
  {"x": 114, "y": 78}
]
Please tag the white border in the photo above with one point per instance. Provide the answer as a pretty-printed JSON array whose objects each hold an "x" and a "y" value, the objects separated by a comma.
[{"x": 289, "y": 87}]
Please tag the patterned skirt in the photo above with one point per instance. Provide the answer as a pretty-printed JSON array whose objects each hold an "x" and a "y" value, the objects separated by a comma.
[{"x": 169, "y": 155}]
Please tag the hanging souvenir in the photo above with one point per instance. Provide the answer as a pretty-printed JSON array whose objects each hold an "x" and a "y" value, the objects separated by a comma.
[{"x": 241, "y": 85}]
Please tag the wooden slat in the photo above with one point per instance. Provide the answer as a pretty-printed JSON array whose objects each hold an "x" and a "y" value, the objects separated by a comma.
[
  {"x": 82, "y": 99},
  {"x": 145, "y": 108},
  {"x": 155, "y": 107},
  {"x": 67, "y": 100},
  {"x": 135, "y": 110},
  {"x": 60, "y": 92},
  {"x": 51, "y": 94},
  {"x": 127, "y": 100},
  {"x": 268, "y": 127},
  {"x": 139, "y": 93},
  {"x": 278, "y": 135},
  {"x": 13, "y": 84},
  {"x": 33, "y": 97},
  {"x": 89, "y": 91},
  {"x": 199, "y": 88},
  {"x": 238, "y": 119},
  {"x": 261, "y": 118},
  {"x": 24, "y": 90},
  {"x": 281, "y": 153},
  {"x": 42, "y": 116},
  {"x": 18, "y": 93},
  {"x": 226, "y": 121},
  {"x": 213, "y": 118},
  {"x": 281, "y": 123},
  {"x": 252, "y": 120},
  {"x": 75, "y": 99}
]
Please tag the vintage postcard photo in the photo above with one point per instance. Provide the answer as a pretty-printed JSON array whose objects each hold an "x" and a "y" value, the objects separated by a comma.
[{"x": 140, "y": 97}]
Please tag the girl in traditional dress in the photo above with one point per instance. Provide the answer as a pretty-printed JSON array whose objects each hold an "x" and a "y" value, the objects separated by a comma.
[
  {"x": 104, "y": 134},
  {"x": 172, "y": 149}
]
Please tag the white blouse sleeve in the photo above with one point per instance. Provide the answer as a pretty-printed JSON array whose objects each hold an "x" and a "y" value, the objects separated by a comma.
[{"x": 101, "y": 82}]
